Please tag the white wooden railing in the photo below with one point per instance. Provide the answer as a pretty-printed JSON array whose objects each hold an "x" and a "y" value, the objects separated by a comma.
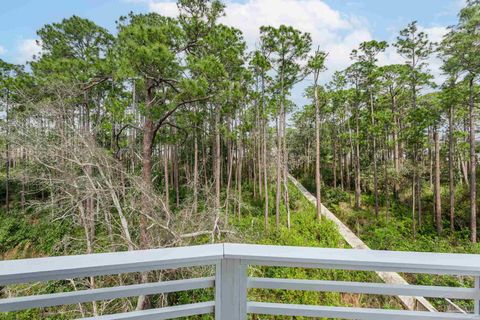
[{"x": 231, "y": 281}]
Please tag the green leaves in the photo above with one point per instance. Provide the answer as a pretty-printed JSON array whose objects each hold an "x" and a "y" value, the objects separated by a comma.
[
  {"x": 72, "y": 50},
  {"x": 147, "y": 47},
  {"x": 414, "y": 45},
  {"x": 285, "y": 48}
]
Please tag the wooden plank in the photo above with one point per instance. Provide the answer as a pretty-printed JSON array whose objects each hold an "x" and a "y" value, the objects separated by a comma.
[
  {"x": 352, "y": 259},
  {"x": 411, "y": 303},
  {"x": 55, "y": 268},
  {"x": 363, "y": 288},
  {"x": 351, "y": 313},
  {"x": 233, "y": 291},
  {"x": 185, "y": 310},
  {"x": 65, "y": 298}
]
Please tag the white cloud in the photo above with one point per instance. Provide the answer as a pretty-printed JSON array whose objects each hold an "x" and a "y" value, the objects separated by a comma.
[
  {"x": 168, "y": 8},
  {"x": 2, "y": 50},
  {"x": 26, "y": 49},
  {"x": 334, "y": 32},
  {"x": 435, "y": 34}
]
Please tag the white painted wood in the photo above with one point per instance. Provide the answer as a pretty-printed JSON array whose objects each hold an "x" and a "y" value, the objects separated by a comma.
[
  {"x": 233, "y": 291},
  {"x": 162, "y": 313},
  {"x": 351, "y": 259},
  {"x": 364, "y": 288},
  {"x": 55, "y": 268},
  {"x": 351, "y": 313},
  {"x": 65, "y": 298},
  {"x": 218, "y": 291},
  {"x": 231, "y": 281},
  {"x": 477, "y": 299},
  {"x": 412, "y": 303}
]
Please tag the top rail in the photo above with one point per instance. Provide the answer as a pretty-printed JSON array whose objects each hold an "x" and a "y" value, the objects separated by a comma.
[
  {"x": 231, "y": 281},
  {"x": 354, "y": 259},
  {"x": 65, "y": 267},
  {"x": 55, "y": 268}
]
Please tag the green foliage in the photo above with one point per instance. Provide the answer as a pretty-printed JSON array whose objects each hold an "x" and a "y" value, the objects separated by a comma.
[{"x": 25, "y": 236}]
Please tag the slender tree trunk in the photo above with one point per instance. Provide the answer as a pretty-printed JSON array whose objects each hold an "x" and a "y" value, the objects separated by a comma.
[
  {"x": 204, "y": 164},
  {"x": 265, "y": 166},
  {"x": 341, "y": 158},
  {"x": 265, "y": 174},
  {"x": 166, "y": 177},
  {"x": 258, "y": 150},
  {"x": 386, "y": 182},
  {"x": 334, "y": 159},
  {"x": 437, "y": 187},
  {"x": 349, "y": 160},
  {"x": 147, "y": 149},
  {"x": 318, "y": 181},
  {"x": 451, "y": 175},
  {"x": 217, "y": 161},
  {"x": 473, "y": 165},
  {"x": 284, "y": 157},
  {"x": 195, "y": 172},
  {"x": 229, "y": 170},
  {"x": 431, "y": 156},
  {"x": 279, "y": 172},
  {"x": 358, "y": 190},
  {"x": 239, "y": 177},
  {"x": 7, "y": 157},
  {"x": 413, "y": 204},
  {"x": 374, "y": 142},
  {"x": 176, "y": 172},
  {"x": 396, "y": 153}
]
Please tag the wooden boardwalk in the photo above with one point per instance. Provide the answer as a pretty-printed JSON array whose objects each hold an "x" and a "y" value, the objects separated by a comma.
[{"x": 411, "y": 303}]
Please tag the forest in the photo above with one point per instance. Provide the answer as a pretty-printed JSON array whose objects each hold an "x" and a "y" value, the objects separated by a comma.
[{"x": 172, "y": 131}]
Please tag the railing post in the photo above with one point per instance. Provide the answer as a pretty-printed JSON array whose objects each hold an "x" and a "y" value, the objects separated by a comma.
[
  {"x": 476, "y": 309},
  {"x": 231, "y": 290}
]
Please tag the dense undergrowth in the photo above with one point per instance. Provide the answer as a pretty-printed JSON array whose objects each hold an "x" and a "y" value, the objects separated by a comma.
[
  {"x": 33, "y": 235},
  {"x": 392, "y": 230}
]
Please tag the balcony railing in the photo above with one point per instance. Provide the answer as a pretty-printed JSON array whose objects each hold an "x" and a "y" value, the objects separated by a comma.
[{"x": 231, "y": 281}]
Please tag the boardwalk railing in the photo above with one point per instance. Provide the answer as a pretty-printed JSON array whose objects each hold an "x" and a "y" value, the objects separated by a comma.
[{"x": 231, "y": 281}]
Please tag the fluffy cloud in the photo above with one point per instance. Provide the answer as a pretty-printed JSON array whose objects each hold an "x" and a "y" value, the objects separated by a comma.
[
  {"x": 2, "y": 50},
  {"x": 26, "y": 49},
  {"x": 168, "y": 8},
  {"x": 435, "y": 34},
  {"x": 333, "y": 31}
]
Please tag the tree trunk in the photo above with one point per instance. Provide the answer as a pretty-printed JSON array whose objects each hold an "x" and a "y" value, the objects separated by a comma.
[
  {"x": 217, "y": 162},
  {"x": 147, "y": 148},
  {"x": 166, "y": 177},
  {"x": 239, "y": 177},
  {"x": 437, "y": 187},
  {"x": 473, "y": 165},
  {"x": 229, "y": 171},
  {"x": 358, "y": 191},
  {"x": 334, "y": 159},
  {"x": 318, "y": 181},
  {"x": 195, "y": 172},
  {"x": 279, "y": 172},
  {"x": 413, "y": 204},
  {"x": 396, "y": 153},
  {"x": 264, "y": 147},
  {"x": 7, "y": 158},
  {"x": 451, "y": 175},
  {"x": 374, "y": 142},
  {"x": 265, "y": 173},
  {"x": 175, "y": 172}
]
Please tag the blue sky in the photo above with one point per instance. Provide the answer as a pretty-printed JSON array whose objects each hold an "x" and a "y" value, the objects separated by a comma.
[{"x": 337, "y": 26}]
